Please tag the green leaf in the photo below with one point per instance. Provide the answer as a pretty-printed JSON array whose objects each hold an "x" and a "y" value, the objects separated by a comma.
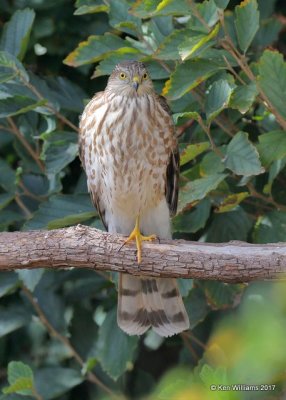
[
  {"x": 211, "y": 164},
  {"x": 156, "y": 70},
  {"x": 30, "y": 278},
  {"x": 22, "y": 385},
  {"x": 147, "y": 8},
  {"x": 242, "y": 157},
  {"x": 17, "y": 31},
  {"x": 8, "y": 218},
  {"x": 193, "y": 221},
  {"x": 217, "y": 98},
  {"x": 214, "y": 376},
  {"x": 231, "y": 202},
  {"x": 68, "y": 95},
  {"x": 243, "y": 97},
  {"x": 115, "y": 349},
  {"x": 266, "y": 8},
  {"x": 7, "y": 177},
  {"x": 268, "y": 32},
  {"x": 169, "y": 47},
  {"x": 95, "y": 49},
  {"x": 196, "y": 306},
  {"x": 233, "y": 225},
  {"x": 53, "y": 382},
  {"x": 5, "y": 199},
  {"x": 90, "y": 7},
  {"x": 107, "y": 65},
  {"x": 185, "y": 116},
  {"x": 272, "y": 79},
  {"x": 62, "y": 210},
  {"x": 272, "y": 146},
  {"x": 9, "y": 281},
  {"x": 89, "y": 365},
  {"x": 20, "y": 378},
  {"x": 222, "y": 3},
  {"x": 16, "y": 370},
  {"x": 192, "y": 150},
  {"x": 188, "y": 75},
  {"x": 185, "y": 286},
  {"x": 50, "y": 301},
  {"x": 274, "y": 171},
  {"x": 198, "y": 189},
  {"x": 271, "y": 228},
  {"x": 121, "y": 19},
  {"x": 192, "y": 44},
  {"x": 219, "y": 56},
  {"x": 10, "y": 67},
  {"x": 59, "y": 149},
  {"x": 246, "y": 22},
  {"x": 221, "y": 295},
  {"x": 19, "y": 105},
  {"x": 13, "y": 317}
]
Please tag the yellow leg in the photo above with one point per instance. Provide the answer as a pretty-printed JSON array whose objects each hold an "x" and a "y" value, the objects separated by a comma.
[{"x": 136, "y": 235}]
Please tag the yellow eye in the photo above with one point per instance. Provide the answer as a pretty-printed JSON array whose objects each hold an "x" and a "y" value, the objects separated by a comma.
[
  {"x": 122, "y": 75},
  {"x": 145, "y": 76}
]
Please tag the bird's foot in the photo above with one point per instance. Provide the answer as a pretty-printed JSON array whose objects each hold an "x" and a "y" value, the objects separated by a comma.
[{"x": 139, "y": 238}]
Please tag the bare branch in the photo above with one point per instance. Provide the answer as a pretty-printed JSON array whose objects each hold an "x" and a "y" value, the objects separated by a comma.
[{"x": 84, "y": 247}]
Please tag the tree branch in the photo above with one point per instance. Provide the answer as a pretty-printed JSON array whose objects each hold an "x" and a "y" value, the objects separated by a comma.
[{"x": 84, "y": 247}]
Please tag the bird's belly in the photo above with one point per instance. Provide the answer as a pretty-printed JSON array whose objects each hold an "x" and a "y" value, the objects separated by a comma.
[{"x": 135, "y": 184}]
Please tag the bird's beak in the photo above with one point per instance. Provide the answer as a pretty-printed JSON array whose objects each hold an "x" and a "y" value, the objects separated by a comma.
[{"x": 136, "y": 82}]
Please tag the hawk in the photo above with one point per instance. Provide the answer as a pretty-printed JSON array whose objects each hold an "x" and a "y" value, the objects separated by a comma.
[{"x": 129, "y": 151}]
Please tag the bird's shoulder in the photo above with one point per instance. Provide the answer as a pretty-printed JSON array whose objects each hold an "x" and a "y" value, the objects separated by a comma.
[
  {"x": 164, "y": 104},
  {"x": 96, "y": 101}
]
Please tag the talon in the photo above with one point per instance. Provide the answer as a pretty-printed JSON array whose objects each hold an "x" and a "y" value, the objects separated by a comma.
[{"x": 136, "y": 235}]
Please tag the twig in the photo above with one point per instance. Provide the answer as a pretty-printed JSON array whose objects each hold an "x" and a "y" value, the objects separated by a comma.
[
  {"x": 49, "y": 106},
  {"x": 206, "y": 129},
  {"x": 228, "y": 45},
  {"x": 20, "y": 203},
  {"x": 223, "y": 125},
  {"x": 198, "y": 15},
  {"x": 191, "y": 336},
  {"x": 53, "y": 332},
  {"x": 267, "y": 199},
  {"x": 36, "y": 394},
  {"x": 188, "y": 345},
  {"x": 27, "y": 193},
  {"x": 181, "y": 129},
  {"x": 85, "y": 247},
  {"x": 15, "y": 130}
]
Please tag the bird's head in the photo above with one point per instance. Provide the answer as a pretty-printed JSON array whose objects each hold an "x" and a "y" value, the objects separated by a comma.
[{"x": 130, "y": 78}]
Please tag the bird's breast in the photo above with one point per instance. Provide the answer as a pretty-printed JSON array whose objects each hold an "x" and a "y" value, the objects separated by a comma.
[{"x": 132, "y": 142}]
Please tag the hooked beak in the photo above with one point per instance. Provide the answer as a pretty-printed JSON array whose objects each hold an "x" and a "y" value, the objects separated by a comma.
[{"x": 135, "y": 82}]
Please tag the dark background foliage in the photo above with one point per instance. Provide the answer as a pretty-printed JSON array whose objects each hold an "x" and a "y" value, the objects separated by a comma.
[{"x": 220, "y": 64}]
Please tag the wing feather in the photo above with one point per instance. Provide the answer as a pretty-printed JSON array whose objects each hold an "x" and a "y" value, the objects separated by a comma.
[
  {"x": 85, "y": 141},
  {"x": 173, "y": 169}
]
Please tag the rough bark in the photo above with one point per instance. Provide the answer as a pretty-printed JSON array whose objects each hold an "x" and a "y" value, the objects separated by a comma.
[{"x": 84, "y": 247}]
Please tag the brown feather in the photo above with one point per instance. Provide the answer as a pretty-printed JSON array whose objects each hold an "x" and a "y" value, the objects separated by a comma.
[
  {"x": 173, "y": 170},
  {"x": 94, "y": 196}
]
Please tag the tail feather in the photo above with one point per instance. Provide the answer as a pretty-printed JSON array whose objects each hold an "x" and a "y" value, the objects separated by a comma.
[
  {"x": 145, "y": 302},
  {"x": 131, "y": 314},
  {"x": 173, "y": 305}
]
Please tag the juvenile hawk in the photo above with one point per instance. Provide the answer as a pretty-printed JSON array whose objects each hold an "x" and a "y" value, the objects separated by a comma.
[{"x": 129, "y": 152}]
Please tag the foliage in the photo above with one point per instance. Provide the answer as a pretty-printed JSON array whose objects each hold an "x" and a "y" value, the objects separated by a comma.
[{"x": 221, "y": 67}]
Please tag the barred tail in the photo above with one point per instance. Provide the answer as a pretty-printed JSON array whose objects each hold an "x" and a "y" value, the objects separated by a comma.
[{"x": 145, "y": 302}]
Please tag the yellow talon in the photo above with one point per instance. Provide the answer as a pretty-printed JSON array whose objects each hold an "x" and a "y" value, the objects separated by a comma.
[{"x": 136, "y": 235}]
